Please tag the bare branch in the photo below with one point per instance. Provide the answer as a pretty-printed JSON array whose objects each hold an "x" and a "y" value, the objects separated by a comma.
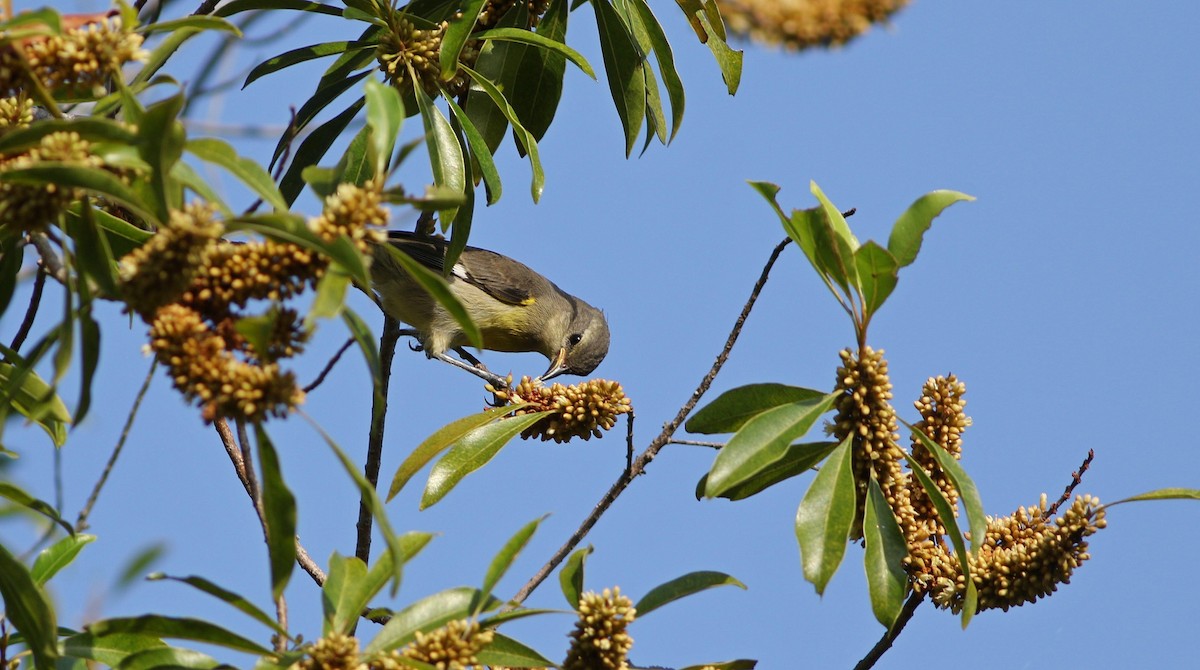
[
  {"x": 1076, "y": 480},
  {"x": 387, "y": 350},
  {"x": 35, "y": 301},
  {"x": 885, "y": 643}
]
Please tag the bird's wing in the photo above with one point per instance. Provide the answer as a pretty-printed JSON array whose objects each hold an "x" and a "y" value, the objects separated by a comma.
[
  {"x": 496, "y": 275},
  {"x": 428, "y": 252}
]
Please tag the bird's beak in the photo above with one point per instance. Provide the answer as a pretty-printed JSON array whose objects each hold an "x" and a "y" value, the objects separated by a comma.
[{"x": 558, "y": 365}]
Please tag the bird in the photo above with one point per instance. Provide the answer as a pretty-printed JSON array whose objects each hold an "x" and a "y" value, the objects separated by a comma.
[{"x": 515, "y": 308}]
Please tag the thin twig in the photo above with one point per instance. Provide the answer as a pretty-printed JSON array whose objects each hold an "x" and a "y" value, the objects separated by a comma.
[
  {"x": 1076, "y": 480},
  {"x": 81, "y": 521},
  {"x": 235, "y": 454},
  {"x": 387, "y": 350},
  {"x": 885, "y": 642},
  {"x": 329, "y": 366},
  {"x": 51, "y": 263},
  {"x": 309, "y": 565},
  {"x": 638, "y": 466},
  {"x": 697, "y": 443},
  {"x": 35, "y": 301}
]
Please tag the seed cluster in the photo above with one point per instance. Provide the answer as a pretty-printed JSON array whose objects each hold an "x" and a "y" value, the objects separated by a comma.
[
  {"x": 1023, "y": 557},
  {"x": 582, "y": 410},
  {"x": 191, "y": 287},
  {"x": 34, "y": 206},
  {"x": 803, "y": 24},
  {"x": 80, "y": 60},
  {"x": 451, "y": 647},
  {"x": 599, "y": 641}
]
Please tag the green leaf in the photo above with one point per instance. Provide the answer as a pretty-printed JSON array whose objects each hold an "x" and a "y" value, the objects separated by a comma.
[
  {"x": 12, "y": 257},
  {"x": 666, "y": 61},
  {"x": 28, "y": 609},
  {"x": 87, "y": 127},
  {"x": 471, "y": 452},
  {"x": 946, "y": 515},
  {"x": 1161, "y": 494},
  {"x": 109, "y": 650},
  {"x": 681, "y": 587},
  {"x": 237, "y": 6},
  {"x": 479, "y": 152},
  {"x": 301, "y": 55},
  {"x": 795, "y": 460},
  {"x": 229, "y": 597},
  {"x": 436, "y": 286},
  {"x": 909, "y": 230},
  {"x": 524, "y": 136},
  {"x": 884, "y": 559},
  {"x": 92, "y": 180},
  {"x": 728, "y": 60},
  {"x": 877, "y": 272},
  {"x": 504, "y": 559},
  {"x": 762, "y": 441},
  {"x": 249, "y": 172},
  {"x": 15, "y": 494},
  {"x": 968, "y": 493},
  {"x": 279, "y": 511},
  {"x": 812, "y": 233},
  {"x": 136, "y": 568},
  {"x": 314, "y": 147},
  {"x": 426, "y": 614},
  {"x": 365, "y": 340},
  {"x": 331, "y": 295},
  {"x": 292, "y": 228},
  {"x": 844, "y": 243},
  {"x": 445, "y": 154},
  {"x": 37, "y": 401},
  {"x": 538, "y": 40},
  {"x": 507, "y": 652},
  {"x": 195, "y": 630},
  {"x": 733, "y": 408},
  {"x": 623, "y": 63},
  {"x": 160, "y": 143},
  {"x": 344, "y": 594},
  {"x": 169, "y": 657},
  {"x": 825, "y": 517},
  {"x": 385, "y": 115},
  {"x": 459, "y": 29},
  {"x": 570, "y": 577},
  {"x": 534, "y": 81},
  {"x": 58, "y": 556},
  {"x": 92, "y": 253}
]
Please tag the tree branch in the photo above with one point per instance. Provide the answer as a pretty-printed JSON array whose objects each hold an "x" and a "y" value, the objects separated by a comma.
[
  {"x": 885, "y": 642},
  {"x": 638, "y": 466},
  {"x": 387, "y": 350},
  {"x": 35, "y": 301}
]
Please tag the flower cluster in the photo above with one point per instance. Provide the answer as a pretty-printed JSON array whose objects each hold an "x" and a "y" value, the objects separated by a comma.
[
  {"x": 451, "y": 647},
  {"x": 1023, "y": 557},
  {"x": 599, "y": 641},
  {"x": 333, "y": 652},
  {"x": 403, "y": 46},
  {"x": 582, "y": 410},
  {"x": 803, "y": 24},
  {"x": 192, "y": 287},
  {"x": 494, "y": 10},
  {"x": 33, "y": 206},
  {"x": 79, "y": 61},
  {"x": 16, "y": 112}
]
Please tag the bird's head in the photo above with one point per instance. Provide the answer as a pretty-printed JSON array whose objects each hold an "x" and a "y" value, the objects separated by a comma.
[{"x": 583, "y": 345}]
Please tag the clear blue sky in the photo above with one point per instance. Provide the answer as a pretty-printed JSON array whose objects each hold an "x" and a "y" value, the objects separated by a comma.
[{"x": 1065, "y": 297}]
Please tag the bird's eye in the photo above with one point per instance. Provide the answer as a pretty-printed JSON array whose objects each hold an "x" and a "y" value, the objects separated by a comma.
[{"x": 574, "y": 339}]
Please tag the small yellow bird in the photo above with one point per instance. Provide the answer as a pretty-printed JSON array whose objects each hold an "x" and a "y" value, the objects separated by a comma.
[{"x": 515, "y": 308}]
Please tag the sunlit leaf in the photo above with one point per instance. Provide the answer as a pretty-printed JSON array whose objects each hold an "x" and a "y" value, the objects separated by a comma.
[
  {"x": 825, "y": 517},
  {"x": 427, "y": 614},
  {"x": 279, "y": 510},
  {"x": 733, "y": 408},
  {"x": 507, "y": 652},
  {"x": 28, "y": 609},
  {"x": 445, "y": 153},
  {"x": 195, "y": 630},
  {"x": 570, "y": 577},
  {"x": 682, "y": 587},
  {"x": 344, "y": 594},
  {"x": 886, "y": 550},
  {"x": 909, "y": 230},
  {"x": 796, "y": 459},
  {"x": 249, "y": 172},
  {"x": 58, "y": 556},
  {"x": 471, "y": 452},
  {"x": 504, "y": 558},
  {"x": 236, "y": 600},
  {"x": 16, "y": 494},
  {"x": 385, "y": 115}
]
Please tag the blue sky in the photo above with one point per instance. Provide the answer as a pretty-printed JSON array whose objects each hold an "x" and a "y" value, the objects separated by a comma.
[{"x": 1064, "y": 297}]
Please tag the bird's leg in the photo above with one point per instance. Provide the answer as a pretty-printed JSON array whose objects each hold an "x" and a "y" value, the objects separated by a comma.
[
  {"x": 409, "y": 332},
  {"x": 483, "y": 373}
]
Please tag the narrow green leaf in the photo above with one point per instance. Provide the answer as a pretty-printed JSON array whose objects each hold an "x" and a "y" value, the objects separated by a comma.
[
  {"x": 195, "y": 630},
  {"x": 195, "y": 21},
  {"x": 666, "y": 61},
  {"x": 811, "y": 230},
  {"x": 1161, "y": 494},
  {"x": 385, "y": 115},
  {"x": 623, "y": 66},
  {"x": 844, "y": 243},
  {"x": 169, "y": 657},
  {"x": 300, "y": 55},
  {"x": 946, "y": 515},
  {"x": 92, "y": 180},
  {"x": 161, "y": 140},
  {"x": 109, "y": 650},
  {"x": 426, "y": 614},
  {"x": 968, "y": 493},
  {"x": 459, "y": 29},
  {"x": 29, "y": 610},
  {"x": 524, "y": 136},
  {"x": 681, "y": 587},
  {"x": 279, "y": 510},
  {"x": 795, "y": 460},
  {"x": 877, "y": 272},
  {"x": 229, "y": 9},
  {"x": 249, "y": 172},
  {"x": 534, "y": 84},
  {"x": 507, "y": 652},
  {"x": 479, "y": 151},
  {"x": 58, "y": 556},
  {"x": 137, "y": 566},
  {"x": 437, "y": 287},
  {"x": 37, "y": 401},
  {"x": 87, "y": 127},
  {"x": 884, "y": 558},
  {"x": 733, "y": 408},
  {"x": 445, "y": 154},
  {"x": 12, "y": 257},
  {"x": 228, "y": 597},
  {"x": 539, "y": 40},
  {"x": 728, "y": 60},
  {"x": 504, "y": 558},
  {"x": 345, "y": 593},
  {"x": 909, "y": 230},
  {"x": 331, "y": 295},
  {"x": 505, "y": 63},
  {"x": 762, "y": 441},
  {"x": 318, "y": 142},
  {"x": 472, "y": 452},
  {"x": 293, "y": 229},
  {"x": 365, "y": 340},
  {"x": 92, "y": 251},
  {"x": 17, "y": 495},
  {"x": 570, "y": 577},
  {"x": 825, "y": 517}
]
